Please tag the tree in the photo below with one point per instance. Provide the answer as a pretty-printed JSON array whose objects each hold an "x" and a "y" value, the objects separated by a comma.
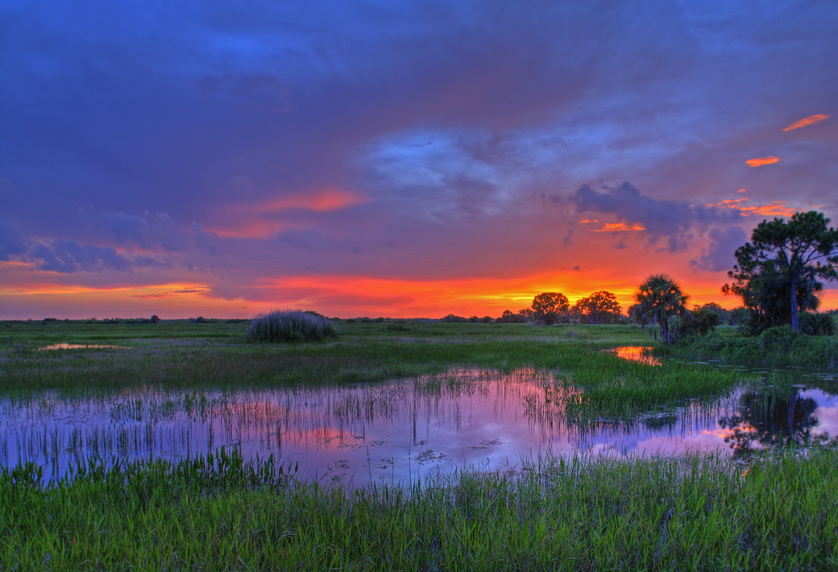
[
  {"x": 548, "y": 306},
  {"x": 510, "y": 317},
  {"x": 777, "y": 272},
  {"x": 701, "y": 320},
  {"x": 660, "y": 299},
  {"x": 599, "y": 308}
]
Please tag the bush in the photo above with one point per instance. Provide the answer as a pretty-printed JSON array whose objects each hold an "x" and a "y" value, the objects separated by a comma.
[
  {"x": 813, "y": 324},
  {"x": 290, "y": 327}
]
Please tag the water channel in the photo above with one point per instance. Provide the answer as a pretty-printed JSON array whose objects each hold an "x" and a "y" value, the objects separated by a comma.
[{"x": 399, "y": 432}]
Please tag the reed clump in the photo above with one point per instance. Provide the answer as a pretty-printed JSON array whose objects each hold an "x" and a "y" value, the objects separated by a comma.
[{"x": 295, "y": 326}]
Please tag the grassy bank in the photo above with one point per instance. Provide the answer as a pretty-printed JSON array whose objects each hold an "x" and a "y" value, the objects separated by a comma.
[
  {"x": 176, "y": 355},
  {"x": 698, "y": 513},
  {"x": 774, "y": 348}
]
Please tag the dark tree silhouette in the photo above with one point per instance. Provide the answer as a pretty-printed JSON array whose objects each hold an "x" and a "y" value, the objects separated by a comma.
[
  {"x": 599, "y": 308},
  {"x": 548, "y": 306},
  {"x": 660, "y": 299},
  {"x": 777, "y": 272}
]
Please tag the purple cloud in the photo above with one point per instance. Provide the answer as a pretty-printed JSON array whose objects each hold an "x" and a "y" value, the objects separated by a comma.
[{"x": 662, "y": 219}]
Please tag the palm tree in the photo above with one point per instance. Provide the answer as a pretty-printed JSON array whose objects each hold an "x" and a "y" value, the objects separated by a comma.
[{"x": 659, "y": 299}]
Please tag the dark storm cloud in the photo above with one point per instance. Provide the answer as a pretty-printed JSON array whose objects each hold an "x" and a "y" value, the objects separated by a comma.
[
  {"x": 147, "y": 231},
  {"x": 662, "y": 220},
  {"x": 70, "y": 256},
  {"x": 11, "y": 243},
  {"x": 157, "y": 231}
]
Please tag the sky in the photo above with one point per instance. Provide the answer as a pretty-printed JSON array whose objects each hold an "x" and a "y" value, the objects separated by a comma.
[{"x": 399, "y": 158}]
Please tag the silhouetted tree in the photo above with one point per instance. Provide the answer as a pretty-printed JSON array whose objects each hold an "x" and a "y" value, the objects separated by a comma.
[
  {"x": 548, "y": 306},
  {"x": 700, "y": 321},
  {"x": 659, "y": 300},
  {"x": 599, "y": 308},
  {"x": 777, "y": 272}
]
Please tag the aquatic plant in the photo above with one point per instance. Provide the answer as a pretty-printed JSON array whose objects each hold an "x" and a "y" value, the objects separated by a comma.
[{"x": 290, "y": 327}]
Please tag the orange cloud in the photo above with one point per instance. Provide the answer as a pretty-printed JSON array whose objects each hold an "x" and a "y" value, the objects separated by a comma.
[
  {"x": 264, "y": 220},
  {"x": 618, "y": 227},
  {"x": 760, "y": 161},
  {"x": 171, "y": 293},
  {"x": 729, "y": 203},
  {"x": 806, "y": 121},
  {"x": 253, "y": 228},
  {"x": 161, "y": 295},
  {"x": 771, "y": 209}
]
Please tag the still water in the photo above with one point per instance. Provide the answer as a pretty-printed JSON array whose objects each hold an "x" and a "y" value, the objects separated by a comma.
[{"x": 399, "y": 432}]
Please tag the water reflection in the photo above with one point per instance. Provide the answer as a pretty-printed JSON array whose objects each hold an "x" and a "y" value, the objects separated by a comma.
[
  {"x": 637, "y": 353},
  {"x": 785, "y": 417},
  {"x": 394, "y": 432},
  {"x": 65, "y": 346}
]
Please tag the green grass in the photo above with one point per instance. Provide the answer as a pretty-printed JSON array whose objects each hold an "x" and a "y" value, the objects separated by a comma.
[
  {"x": 697, "y": 513},
  {"x": 175, "y": 355},
  {"x": 774, "y": 348}
]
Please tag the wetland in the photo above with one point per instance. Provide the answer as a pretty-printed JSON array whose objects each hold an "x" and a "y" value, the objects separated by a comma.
[{"x": 422, "y": 428}]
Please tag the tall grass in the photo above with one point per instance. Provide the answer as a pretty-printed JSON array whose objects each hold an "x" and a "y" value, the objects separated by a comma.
[
  {"x": 775, "y": 347},
  {"x": 698, "y": 513},
  {"x": 290, "y": 327}
]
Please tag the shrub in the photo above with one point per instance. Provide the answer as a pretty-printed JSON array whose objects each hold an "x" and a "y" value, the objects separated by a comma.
[
  {"x": 290, "y": 327},
  {"x": 813, "y": 324}
]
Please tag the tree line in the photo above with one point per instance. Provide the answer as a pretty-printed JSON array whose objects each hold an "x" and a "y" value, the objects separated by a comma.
[{"x": 778, "y": 275}]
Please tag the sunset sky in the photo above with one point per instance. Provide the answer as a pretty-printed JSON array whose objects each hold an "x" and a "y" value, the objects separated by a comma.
[{"x": 399, "y": 158}]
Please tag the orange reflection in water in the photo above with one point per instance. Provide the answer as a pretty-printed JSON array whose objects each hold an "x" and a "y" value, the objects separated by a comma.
[
  {"x": 64, "y": 346},
  {"x": 729, "y": 433},
  {"x": 636, "y": 353}
]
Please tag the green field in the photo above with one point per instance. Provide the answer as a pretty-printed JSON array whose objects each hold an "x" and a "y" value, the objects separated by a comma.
[{"x": 777, "y": 511}]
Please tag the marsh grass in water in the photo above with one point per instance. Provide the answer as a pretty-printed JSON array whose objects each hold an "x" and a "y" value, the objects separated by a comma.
[
  {"x": 365, "y": 352},
  {"x": 694, "y": 513}
]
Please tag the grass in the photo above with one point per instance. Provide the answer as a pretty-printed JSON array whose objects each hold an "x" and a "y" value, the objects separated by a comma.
[
  {"x": 697, "y": 513},
  {"x": 775, "y": 348}
]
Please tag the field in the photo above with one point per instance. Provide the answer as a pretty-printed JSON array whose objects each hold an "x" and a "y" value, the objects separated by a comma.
[{"x": 774, "y": 511}]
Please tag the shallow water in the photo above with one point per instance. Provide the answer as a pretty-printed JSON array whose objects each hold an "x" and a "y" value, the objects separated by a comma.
[
  {"x": 397, "y": 432},
  {"x": 66, "y": 346}
]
